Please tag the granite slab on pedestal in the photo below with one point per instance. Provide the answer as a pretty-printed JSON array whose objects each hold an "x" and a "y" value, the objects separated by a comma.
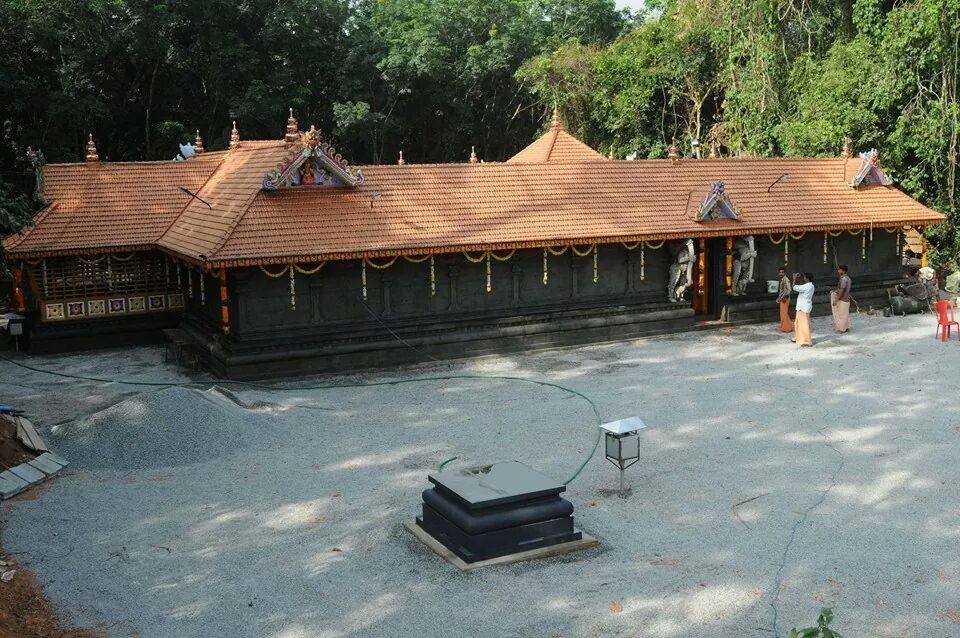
[{"x": 497, "y": 510}]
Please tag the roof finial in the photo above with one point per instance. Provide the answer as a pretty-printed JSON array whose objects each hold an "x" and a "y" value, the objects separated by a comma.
[
  {"x": 713, "y": 150},
  {"x": 473, "y": 155},
  {"x": 847, "y": 151},
  {"x": 92, "y": 150},
  {"x": 293, "y": 133},
  {"x": 234, "y": 136},
  {"x": 610, "y": 154},
  {"x": 555, "y": 120},
  {"x": 400, "y": 160},
  {"x": 673, "y": 152},
  {"x": 198, "y": 144}
]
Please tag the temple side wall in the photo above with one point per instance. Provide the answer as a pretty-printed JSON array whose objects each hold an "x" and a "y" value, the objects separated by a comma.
[{"x": 333, "y": 328}]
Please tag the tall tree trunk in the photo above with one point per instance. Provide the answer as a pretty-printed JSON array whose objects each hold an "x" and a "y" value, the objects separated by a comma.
[{"x": 148, "y": 150}]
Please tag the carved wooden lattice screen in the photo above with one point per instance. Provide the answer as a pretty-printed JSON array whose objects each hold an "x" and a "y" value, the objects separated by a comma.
[{"x": 77, "y": 287}]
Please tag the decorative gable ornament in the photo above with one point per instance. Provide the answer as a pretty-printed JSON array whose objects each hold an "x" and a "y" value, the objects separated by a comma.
[
  {"x": 312, "y": 162},
  {"x": 717, "y": 205},
  {"x": 870, "y": 171}
]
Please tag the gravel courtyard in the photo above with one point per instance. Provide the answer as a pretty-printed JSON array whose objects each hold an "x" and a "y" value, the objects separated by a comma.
[{"x": 773, "y": 481}]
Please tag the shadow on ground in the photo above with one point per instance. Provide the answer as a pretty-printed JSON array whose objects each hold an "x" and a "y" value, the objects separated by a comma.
[{"x": 773, "y": 481}]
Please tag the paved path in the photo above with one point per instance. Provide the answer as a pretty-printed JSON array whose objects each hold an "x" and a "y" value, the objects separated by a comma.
[{"x": 284, "y": 520}]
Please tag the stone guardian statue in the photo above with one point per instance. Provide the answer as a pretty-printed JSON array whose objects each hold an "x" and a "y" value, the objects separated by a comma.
[
  {"x": 681, "y": 270},
  {"x": 744, "y": 259}
]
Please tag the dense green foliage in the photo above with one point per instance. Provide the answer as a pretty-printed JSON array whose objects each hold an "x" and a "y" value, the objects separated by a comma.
[{"x": 433, "y": 77}]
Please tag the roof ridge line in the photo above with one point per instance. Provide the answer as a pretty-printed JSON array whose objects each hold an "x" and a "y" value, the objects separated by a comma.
[
  {"x": 176, "y": 218},
  {"x": 236, "y": 222}
]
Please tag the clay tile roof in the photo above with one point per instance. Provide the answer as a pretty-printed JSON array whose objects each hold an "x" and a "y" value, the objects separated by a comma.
[
  {"x": 206, "y": 223},
  {"x": 556, "y": 145},
  {"x": 420, "y": 208},
  {"x": 109, "y": 206},
  {"x": 415, "y": 209}
]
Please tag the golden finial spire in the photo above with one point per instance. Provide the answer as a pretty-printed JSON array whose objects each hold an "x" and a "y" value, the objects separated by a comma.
[
  {"x": 555, "y": 119},
  {"x": 234, "y": 136},
  {"x": 293, "y": 133},
  {"x": 610, "y": 154},
  {"x": 673, "y": 152},
  {"x": 92, "y": 150},
  {"x": 847, "y": 151},
  {"x": 473, "y": 155},
  {"x": 713, "y": 150},
  {"x": 198, "y": 144},
  {"x": 400, "y": 160}
]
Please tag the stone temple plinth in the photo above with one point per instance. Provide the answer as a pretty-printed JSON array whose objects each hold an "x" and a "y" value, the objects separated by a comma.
[{"x": 498, "y": 510}]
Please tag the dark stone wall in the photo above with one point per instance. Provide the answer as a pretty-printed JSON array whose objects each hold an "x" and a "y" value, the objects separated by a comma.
[
  {"x": 333, "y": 328},
  {"x": 806, "y": 255},
  {"x": 332, "y": 298},
  {"x": 871, "y": 277}
]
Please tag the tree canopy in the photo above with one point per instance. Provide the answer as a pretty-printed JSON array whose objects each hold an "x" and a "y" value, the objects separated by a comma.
[{"x": 435, "y": 77}]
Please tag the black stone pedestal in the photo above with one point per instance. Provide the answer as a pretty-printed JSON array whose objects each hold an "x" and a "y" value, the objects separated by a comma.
[{"x": 496, "y": 510}]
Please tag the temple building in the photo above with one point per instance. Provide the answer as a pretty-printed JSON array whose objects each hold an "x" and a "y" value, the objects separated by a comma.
[{"x": 277, "y": 257}]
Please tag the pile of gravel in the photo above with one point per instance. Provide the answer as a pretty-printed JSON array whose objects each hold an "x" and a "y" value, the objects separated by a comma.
[{"x": 167, "y": 428}]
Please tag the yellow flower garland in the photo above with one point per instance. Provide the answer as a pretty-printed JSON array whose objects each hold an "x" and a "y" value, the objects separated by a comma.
[{"x": 310, "y": 271}]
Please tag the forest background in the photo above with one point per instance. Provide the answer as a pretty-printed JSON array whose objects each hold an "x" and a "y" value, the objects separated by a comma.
[{"x": 435, "y": 77}]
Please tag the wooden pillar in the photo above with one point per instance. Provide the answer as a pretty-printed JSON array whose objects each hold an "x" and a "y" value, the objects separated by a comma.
[
  {"x": 729, "y": 264},
  {"x": 923, "y": 252},
  {"x": 224, "y": 302},
  {"x": 701, "y": 305}
]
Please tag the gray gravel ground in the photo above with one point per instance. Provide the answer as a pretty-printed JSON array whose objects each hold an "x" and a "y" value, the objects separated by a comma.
[{"x": 186, "y": 514}]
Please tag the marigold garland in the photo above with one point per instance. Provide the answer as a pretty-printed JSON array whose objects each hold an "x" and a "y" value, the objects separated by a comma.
[
  {"x": 373, "y": 264},
  {"x": 585, "y": 253},
  {"x": 363, "y": 278},
  {"x": 275, "y": 275},
  {"x": 489, "y": 275},
  {"x": 293, "y": 286},
  {"x": 310, "y": 271}
]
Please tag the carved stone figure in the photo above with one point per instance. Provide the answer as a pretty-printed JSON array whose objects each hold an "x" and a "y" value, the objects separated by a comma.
[
  {"x": 681, "y": 269},
  {"x": 744, "y": 259},
  {"x": 919, "y": 296}
]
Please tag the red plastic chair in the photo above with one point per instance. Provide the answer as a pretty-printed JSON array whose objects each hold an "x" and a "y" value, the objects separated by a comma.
[{"x": 945, "y": 320}]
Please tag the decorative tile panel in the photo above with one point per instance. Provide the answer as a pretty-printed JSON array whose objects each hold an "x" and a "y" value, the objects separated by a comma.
[
  {"x": 54, "y": 311},
  {"x": 137, "y": 304},
  {"x": 117, "y": 305},
  {"x": 156, "y": 302},
  {"x": 96, "y": 307},
  {"x": 175, "y": 300}
]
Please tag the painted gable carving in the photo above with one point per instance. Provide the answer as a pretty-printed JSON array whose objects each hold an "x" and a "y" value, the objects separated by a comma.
[
  {"x": 717, "y": 205},
  {"x": 870, "y": 171},
  {"x": 312, "y": 162}
]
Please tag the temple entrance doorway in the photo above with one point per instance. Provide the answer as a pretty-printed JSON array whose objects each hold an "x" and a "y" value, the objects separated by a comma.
[{"x": 709, "y": 276}]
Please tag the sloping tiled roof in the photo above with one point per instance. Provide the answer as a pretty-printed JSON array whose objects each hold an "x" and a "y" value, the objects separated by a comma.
[
  {"x": 415, "y": 209},
  {"x": 99, "y": 205},
  {"x": 206, "y": 223},
  {"x": 556, "y": 145},
  {"x": 418, "y": 208}
]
